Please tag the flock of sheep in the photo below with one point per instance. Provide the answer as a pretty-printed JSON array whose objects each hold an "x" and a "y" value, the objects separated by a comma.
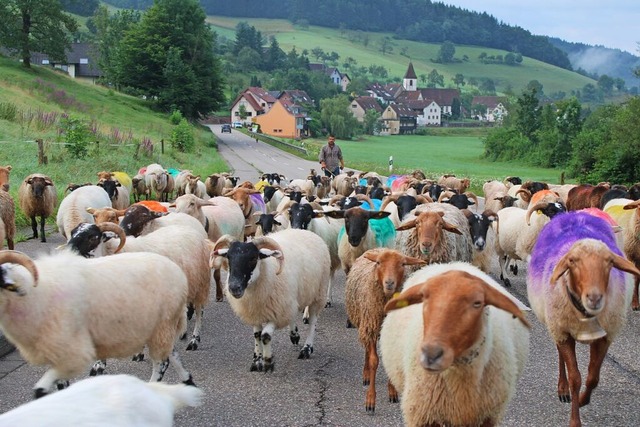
[{"x": 417, "y": 258}]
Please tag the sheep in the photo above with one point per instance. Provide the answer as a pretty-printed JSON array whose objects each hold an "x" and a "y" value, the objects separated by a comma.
[
  {"x": 272, "y": 196},
  {"x": 8, "y": 218},
  {"x": 184, "y": 245},
  {"x": 118, "y": 194},
  {"x": 180, "y": 182},
  {"x": 453, "y": 183},
  {"x": 402, "y": 205},
  {"x": 73, "y": 208},
  {"x": 167, "y": 193},
  {"x": 585, "y": 196},
  {"x": 517, "y": 234},
  {"x": 69, "y": 333},
  {"x": 578, "y": 297},
  {"x": 460, "y": 201},
  {"x": 214, "y": 184},
  {"x": 37, "y": 196},
  {"x": 250, "y": 201},
  {"x": 155, "y": 178},
  {"x": 270, "y": 223},
  {"x": 344, "y": 184},
  {"x": 121, "y": 400},
  {"x": 196, "y": 187},
  {"x": 438, "y": 232},
  {"x": 483, "y": 237},
  {"x": 496, "y": 196},
  {"x": 457, "y": 349},
  {"x": 630, "y": 222},
  {"x": 139, "y": 188},
  {"x": 5, "y": 172},
  {"x": 363, "y": 230},
  {"x": 105, "y": 215},
  {"x": 268, "y": 285},
  {"x": 307, "y": 186},
  {"x": 72, "y": 187},
  {"x": 373, "y": 280}
]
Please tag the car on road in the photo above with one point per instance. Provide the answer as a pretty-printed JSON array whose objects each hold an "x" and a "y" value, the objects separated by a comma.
[
  {"x": 226, "y": 128},
  {"x": 237, "y": 125}
]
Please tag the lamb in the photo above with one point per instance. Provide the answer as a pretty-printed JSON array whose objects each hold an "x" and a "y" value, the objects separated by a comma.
[
  {"x": 181, "y": 182},
  {"x": 268, "y": 285},
  {"x": 70, "y": 333},
  {"x": 373, "y": 280},
  {"x": 37, "y": 196},
  {"x": 575, "y": 293},
  {"x": 121, "y": 400},
  {"x": 196, "y": 187},
  {"x": 184, "y": 245},
  {"x": 438, "y": 232},
  {"x": 250, "y": 202},
  {"x": 73, "y": 208},
  {"x": 455, "y": 352}
]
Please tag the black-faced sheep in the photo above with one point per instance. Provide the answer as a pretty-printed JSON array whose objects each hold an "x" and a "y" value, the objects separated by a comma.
[
  {"x": 267, "y": 286},
  {"x": 37, "y": 196},
  {"x": 372, "y": 281}
]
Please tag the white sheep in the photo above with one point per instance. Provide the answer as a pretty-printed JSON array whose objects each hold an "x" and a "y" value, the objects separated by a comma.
[
  {"x": 155, "y": 178},
  {"x": 577, "y": 288},
  {"x": 455, "y": 351},
  {"x": 100, "y": 316},
  {"x": 483, "y": 237},
  {"x": 270, "y": 280},
  {"x": 183, "y": 244},
  {"x": 372, "y": 281},
  {"x": 37, "y": 196},
  {"x": 105, "y": 401},
  {"x": 196, "y": 187},
  {"x": 73, "y": 208}
]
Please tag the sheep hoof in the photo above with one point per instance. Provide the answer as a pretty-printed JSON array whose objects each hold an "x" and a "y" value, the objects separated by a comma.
[
  {"x": 39, "y": 392},
  {"x": 636, "y": 308},
  {"x": 189, "y": 381},
  {"x": 190, "y": 310},
  {"x": 514, "y": 269},
  {"x": 365, "y": 381},
  {"x": 61, "y": 385},
  {"x": 305, "y": 320},
  {"x": 564, "y": 398},
  {"x": 183, "y": 337},
  {"x": 193, "y": 344},
  {"x": 349, "y": 324},
  {"x": 220, "y": 298},
  {"x": 507, "y": 283},
  {"x": 294, "y": 336},
  {"x": 394, "y": 398},
  {"x": 370, "y": 409},
  {"x": 138, "y": 357},
  {"x": 306, "y": 351},
  {"x": 328, "y": 304},
  {"x": 257, "y": 364},
  {"x": 269, "y": 364}
]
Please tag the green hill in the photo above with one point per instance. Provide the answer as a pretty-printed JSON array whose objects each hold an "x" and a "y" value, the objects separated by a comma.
[{"x": 349, "y": 44}]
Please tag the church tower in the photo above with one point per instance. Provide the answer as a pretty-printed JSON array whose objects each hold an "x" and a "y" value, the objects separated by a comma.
[{"x": 410, "y": 81}]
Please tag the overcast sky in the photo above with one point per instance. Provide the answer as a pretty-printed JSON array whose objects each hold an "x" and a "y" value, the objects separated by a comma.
[{"x": 610, "y": 23}]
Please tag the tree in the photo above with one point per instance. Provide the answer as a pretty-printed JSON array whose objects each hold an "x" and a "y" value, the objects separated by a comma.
[
  {"x": 528, "y": 114},
  {"x": 319, "y": 54},
  {"x": 386, "y": 45},
  {"x": 487, "y": 86},
  {"x": 446, "y": 52},
  {"x": 458, "y": 80},
  {"x": 145, "y": 48},
  {"x": 423, "y": 78},
  {"x": 535, "y": 85},
  {"x": 371, "y": 123},
  {"x": 435, "y": 79},
  {"x": 337, "y": 117},
  {"x": 275, "y": 57},
  {"x": 605, "y": 83},
  {"x": 35, "y": 26},
  {"x": 80, "y": 7},
  {"x": 510, "y": 58}
]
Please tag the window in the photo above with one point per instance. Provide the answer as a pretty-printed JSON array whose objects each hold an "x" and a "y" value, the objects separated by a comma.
[
  {"x": 45, "y": 61},
  {"x": 84, "y": 60}
]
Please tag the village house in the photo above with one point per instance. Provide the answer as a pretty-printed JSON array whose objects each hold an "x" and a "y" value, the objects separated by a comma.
[
  {"x": 340, "y": 79},
  {"x": 362, "y": 104},
  {"x": 251, "y": 103},
  {"x": 398, "y": 119},
  {"x": 380, "y": 93},
  {"x": 80, "y": 62},
  {"x": 287, "y": 117},
  {"x": 494, "y": 106}
]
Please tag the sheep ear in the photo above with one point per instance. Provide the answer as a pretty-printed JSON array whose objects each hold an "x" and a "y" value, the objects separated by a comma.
[
  {"x": 451, "y": 228},
  {"x": 335, "y": 214},
  {"x": 407, "y": 225},
  {"x": 621, "y": 263},
  {"x": 414, "y": 261},
  {"x": 497, "y": 299},
  {"x": 411, "y": 296},
  {"x": 371, "y": 256},
  {"x": 560, "y": 269},
  {"x": 379, "y": 214}
]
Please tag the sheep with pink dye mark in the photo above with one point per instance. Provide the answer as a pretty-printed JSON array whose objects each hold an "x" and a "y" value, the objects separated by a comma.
[{"x": 577, "y": 288}]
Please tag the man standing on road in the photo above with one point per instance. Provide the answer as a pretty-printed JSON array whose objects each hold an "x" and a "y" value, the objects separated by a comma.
[{"x": 331, "y": 158}]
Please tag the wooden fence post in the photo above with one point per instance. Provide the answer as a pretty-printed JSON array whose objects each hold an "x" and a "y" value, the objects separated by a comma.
[
  {"x": 162, "y": 146},
  {"x": 40, "y": 151}
]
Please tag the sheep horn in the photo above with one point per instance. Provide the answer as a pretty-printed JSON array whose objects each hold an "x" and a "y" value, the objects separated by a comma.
[
  {"x": 269, "y": 243},
  {"x": 470, "y": 195},
  {"x": 389, "y": 199},
  {"x": 223, "y": 242},
  {"x": 531, "y": 210},
  {"x": 526, "y": 194},
  {"x": 443, "y": 195},
  {"x": 17, "y": 257},
  {"x": 115, "y": 228},
  {"x": 420, "y": 199},
  {"x": 335, "y": 199},
  {"x": 365, "y": 198}
]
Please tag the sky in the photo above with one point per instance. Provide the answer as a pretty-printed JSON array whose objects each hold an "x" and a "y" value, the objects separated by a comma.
[{"x": 612, "y": 23}]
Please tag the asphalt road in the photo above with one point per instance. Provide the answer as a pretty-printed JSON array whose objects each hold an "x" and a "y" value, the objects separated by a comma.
[{"x": 327, "y": 389}]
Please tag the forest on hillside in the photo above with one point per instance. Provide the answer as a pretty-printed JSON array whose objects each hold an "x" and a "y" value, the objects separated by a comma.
[{"x": 419, "y": 20}]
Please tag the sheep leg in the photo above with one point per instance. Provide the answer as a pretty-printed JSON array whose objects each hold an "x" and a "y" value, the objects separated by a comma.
[
  {"x": 305, "y": 315},
  {"x": 159, "y": 368},
  {"x": 563, "y": 384},
  {"x": 216, "y": 278},
  {"x": 567, "y": 350},
  {"x": 504, "y": 261},
  {"x": 329, "y": 296},
  {"x": 635, "y": 303},
  {"x": 34, "y": 227},
  {"x": 195, "y": 338},
  {"x": 306, "y": 351},
  {"x": 258, "y": 362},
  {"x": 43, "y": 237},
  {"x": 393, "y": 393},
  {"x": 183, "y": 374},
  {"x": 45, "y": 384},
  {"x": 598, "y": 350},
  {"x": 98, "y": 368},
  {"x": 265, "y": 337},
  {"x": 294, "y": 335},
  {"x": 372, "y": 357}
]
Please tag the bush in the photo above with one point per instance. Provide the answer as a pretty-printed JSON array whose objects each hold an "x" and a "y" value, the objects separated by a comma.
[
  {"x": 176, "y": 117},
  {"x": 75, "y": 133},
  {"x": 182, "y": 138}
]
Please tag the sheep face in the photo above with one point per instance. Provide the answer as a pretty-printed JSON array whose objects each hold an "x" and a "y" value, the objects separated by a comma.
[
  {"x": 38, "y": 184},
  {"x": 405, "y": 205},
  {"x": 390, "y": 268},
  {"x": 453, "y": 316},
  {"x": 111, "y": 187},
  {"x": 5, "y": 171},
  {"x": 478, "y": 226},
  {"x": 429, "y": 229},
  {"x": 356, "y": 222},
  {"x": 85, "y": 238},
  {"x": 268, "y": 192},
  {"x": 243, "y": 259},
  {"x": 136, "y": 217},
  {"x": 104, "y": 215},
  {"x": 589, "y": 263},
  {"x": 301, "y": 215},
  {"x": 267, "y": 222}
]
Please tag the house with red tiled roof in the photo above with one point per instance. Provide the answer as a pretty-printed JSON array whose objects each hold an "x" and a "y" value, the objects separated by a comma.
[
  {"x": 380, "y": 93},
  {"x": 362, "y": 104},
  {"x": 340, "y": 79},
  {"x": 443, "y": 97},
  {"x": 398, "y": 119},
  {"x": 254, "y": 101},
  {"x": 288, "y": 117},
  {"x": 494, "y": 107},
  {"x": 428, "y": 112}
]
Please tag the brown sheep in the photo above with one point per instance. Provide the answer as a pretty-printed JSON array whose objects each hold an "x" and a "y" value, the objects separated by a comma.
[
  {"x": 106, "y": 215},
  {"x": 37, "y": 196},
  {"x": 7, "y": 208},
  {"x": 453, "y": 183},
  {"x": 372, "y": 281},
  {"x": 4, "y": 177}
]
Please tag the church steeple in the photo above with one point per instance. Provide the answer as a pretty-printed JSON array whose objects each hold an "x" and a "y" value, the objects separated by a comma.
[{"x": 410, "y": 81}]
